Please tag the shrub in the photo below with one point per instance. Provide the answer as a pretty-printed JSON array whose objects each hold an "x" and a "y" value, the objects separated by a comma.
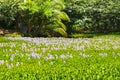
[
  {"x": 94, "y": 15},
  {"x": 8, "y": 10}
]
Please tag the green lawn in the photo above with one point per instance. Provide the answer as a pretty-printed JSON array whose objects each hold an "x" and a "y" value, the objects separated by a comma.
[{"x": 95, "y": 58}]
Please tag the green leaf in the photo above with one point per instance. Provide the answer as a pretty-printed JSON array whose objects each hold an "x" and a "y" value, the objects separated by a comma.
[
  {"x": 61, "y": 25},
  {"x": 61, "y": 31}
]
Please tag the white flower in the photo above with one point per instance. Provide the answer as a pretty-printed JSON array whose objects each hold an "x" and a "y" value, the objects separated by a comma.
[
  {"x": 9, "y": 66},
  {"x": 22, "y": 55},
  {"x": 1, "y": 62},
  {"x": 37, "y": 43},
  {"x": 23, "y": 46},
  {"x": 84, "y": 55},
  {"x": 12, "y": 57},
  {"x": 62, "y": 56},
  {"x": 49, "y": 56},
  {"x": 34, "y": 55},
  {"x": 103, "y": 54},
  {"x": 115, "y": 47},
  {"x": 17, "y": 64},
  {"x": 82, "y": 47},
  {"x": 51, "y": 63}
]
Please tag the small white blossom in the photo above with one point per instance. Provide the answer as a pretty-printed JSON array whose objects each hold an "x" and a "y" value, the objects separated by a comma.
[
  {"x": 1, "y": 62},
  {"x": 17, "y": 64},
  {"x": 49, "y": 56},
  {"x": 62, "y": 56},
  {"x": 103, "y": 54},
  {"x": 12, "y": 57}
]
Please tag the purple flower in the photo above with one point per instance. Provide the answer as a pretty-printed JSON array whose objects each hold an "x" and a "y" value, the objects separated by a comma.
[
  {"x": 82, "y": 47},
  {"x": 34, "y": 55},
  {"x": 103, "y": 54},
  {"x": 84, "y": 55},
  {"x": 70, "y": 55}
]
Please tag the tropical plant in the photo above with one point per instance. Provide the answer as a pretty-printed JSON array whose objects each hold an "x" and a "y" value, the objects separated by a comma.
[
  {"x": 39, "y": 16},
  {"x": 28, "y": 9},
  {"x": 59, "y": 17}
]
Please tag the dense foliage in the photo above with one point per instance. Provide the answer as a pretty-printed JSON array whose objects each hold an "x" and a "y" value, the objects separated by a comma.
[
  {"x": 34, "y": 17},
  {"x": 48, "y": 17},
  {"x": 8, "y": 10},
  {"x": 60, "y": 58},
  {"x": 94, "y": 15}
]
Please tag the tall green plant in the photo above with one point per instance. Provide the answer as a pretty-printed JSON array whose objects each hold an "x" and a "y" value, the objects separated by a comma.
[
  {"x": 28, "y": 9},
  {"x": 43, "y": 14},
  {"x": 58, "y": 17}
]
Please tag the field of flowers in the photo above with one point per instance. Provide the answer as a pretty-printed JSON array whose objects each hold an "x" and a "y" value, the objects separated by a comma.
[{"x": 25, "y": 58}]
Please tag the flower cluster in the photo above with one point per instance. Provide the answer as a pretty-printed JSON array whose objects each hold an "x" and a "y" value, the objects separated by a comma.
[{"x": 40, "y": 50}]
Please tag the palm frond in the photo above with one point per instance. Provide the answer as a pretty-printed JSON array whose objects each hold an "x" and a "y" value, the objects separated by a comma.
[
  {"x": 64, "y": 16},
  {"x": 61, "y": 31},
  {"x": 61, "y": 15},
  {"x": 61, "y": 25},
  {"x": 58, "y": 4}
]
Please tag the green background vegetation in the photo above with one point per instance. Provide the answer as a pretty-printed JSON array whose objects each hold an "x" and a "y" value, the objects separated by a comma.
[{"x": 60, "y": 17}]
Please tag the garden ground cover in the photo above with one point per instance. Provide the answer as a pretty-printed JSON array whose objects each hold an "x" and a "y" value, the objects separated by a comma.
[{"x": 25, "y": 58}]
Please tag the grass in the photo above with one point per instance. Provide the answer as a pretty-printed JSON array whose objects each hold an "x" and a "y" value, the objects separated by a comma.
[
  {"x": 96, "y": 58},
  {"x": 91, "y": 35}
]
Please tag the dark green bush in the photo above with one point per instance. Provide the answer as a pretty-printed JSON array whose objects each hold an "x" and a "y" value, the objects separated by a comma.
[
  {"x": 94, "y": 15},
  {"x": 47, "y": 18},
  {"x": 8, "y": 10}
]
